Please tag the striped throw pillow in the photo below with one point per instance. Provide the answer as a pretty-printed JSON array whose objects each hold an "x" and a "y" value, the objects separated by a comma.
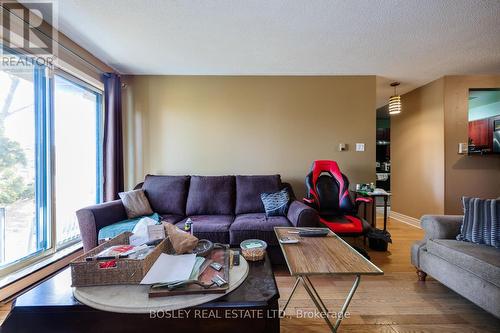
[
  {"x": 275, "y": 204},
  {"x": 481, "y": 221}
]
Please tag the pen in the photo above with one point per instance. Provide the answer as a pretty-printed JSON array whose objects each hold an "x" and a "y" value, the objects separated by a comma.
[{"x": 121, "y": 256}]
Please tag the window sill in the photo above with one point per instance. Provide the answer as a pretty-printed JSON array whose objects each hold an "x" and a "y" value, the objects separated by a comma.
[{"x": 15, "y": 282}]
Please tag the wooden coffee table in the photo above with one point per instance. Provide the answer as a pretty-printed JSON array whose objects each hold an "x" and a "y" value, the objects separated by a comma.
[
  {"x": 329, "y": 255},
  {"x": 51, "y": 307}
]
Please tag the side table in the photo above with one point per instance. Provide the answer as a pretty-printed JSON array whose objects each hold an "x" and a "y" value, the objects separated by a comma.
[{"x": 374, "y": 196}]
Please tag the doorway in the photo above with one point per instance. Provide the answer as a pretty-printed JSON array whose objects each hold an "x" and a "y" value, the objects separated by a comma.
[{"x": 383, "y": 152}]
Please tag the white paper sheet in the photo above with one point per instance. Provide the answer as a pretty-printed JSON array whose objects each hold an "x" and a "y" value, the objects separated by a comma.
[{"x": 169, "y": 268}]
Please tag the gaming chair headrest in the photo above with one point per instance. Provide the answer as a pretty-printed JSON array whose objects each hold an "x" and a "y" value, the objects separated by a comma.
[{"x": 320, "y": 167}]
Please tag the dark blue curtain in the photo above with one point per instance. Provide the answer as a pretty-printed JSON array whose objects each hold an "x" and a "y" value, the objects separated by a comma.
[{"x": 113, "y": 138}]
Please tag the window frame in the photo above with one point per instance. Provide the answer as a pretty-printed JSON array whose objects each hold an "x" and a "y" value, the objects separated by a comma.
[
  {"x": 45, "y": 201},
  {"x": 40, "y": 98},
  {"x": 99, "y": 143}
]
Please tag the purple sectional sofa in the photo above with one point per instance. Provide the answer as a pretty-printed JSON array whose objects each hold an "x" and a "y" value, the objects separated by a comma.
[{"x": 224, "y": 209}]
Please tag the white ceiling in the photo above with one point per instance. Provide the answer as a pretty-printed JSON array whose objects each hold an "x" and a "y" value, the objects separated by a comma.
[{"x": 412, "y": 41}]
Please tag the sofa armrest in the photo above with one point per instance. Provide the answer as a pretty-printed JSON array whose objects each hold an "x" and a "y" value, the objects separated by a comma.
[
  {"x": 441, "y": 226},
  {"x": 301, "y": 215},
  {"x": 93, "y": 218}
]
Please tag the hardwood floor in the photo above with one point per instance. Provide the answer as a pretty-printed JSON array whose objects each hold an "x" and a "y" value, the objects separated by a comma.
[{"x": 393, "y": 303}]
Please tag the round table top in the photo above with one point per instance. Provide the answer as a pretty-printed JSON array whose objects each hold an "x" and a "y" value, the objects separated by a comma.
[{"x": 135, "y": 299}]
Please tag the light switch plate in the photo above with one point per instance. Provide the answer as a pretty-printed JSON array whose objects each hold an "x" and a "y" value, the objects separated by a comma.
[
  {"x": 360, "y": 147},
  {"x": 342, "y": 147},
  {"x": 462, "y": 148}
]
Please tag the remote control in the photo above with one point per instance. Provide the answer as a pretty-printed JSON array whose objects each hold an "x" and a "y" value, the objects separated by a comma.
[
  {"x": 288, "y": 240},
  {"x": 236, "y": 258},
  {"x": 219, "y": 281},
  {"x": 216, "y": 266},
  {"x": 315, "y": 233}
]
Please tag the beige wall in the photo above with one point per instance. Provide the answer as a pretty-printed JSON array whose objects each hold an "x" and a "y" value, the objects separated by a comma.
[
  {"x": 477, "y": 176},
  {"x": 215, "y": 125},
  {"x": 428, "y": 176},
  {"x": 417, "y": 152}
]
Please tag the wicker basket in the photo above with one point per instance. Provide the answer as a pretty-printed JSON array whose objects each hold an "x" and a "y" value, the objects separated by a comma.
[
  {"x": 124, "y": 271},
  {"x": 253, "y": 254}
]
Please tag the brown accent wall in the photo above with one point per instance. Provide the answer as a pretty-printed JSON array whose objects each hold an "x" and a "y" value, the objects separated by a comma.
[
  {"x": 476, "y": 176},
  {"x": 428, "y": 176},
  {"x": 417, "y": 152},
  {"x": 215, "y": 125}
]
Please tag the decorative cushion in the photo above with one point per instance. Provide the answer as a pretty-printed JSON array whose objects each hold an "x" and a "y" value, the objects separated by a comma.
[
  {"x": 117, "y": 228},
  {"x": 249, "y": 188},
  {"x": 256, "y": 226},
  {"x": 167, "y": 194},
  {"x": 182, "y": 242},
  {"x": 481, "y": 221},
  {"x": 212, "y": 195},
  {"x": 276, "y": 204},
  {"x": 212, "y": 227},
  {"x": 136, "y": 203}
]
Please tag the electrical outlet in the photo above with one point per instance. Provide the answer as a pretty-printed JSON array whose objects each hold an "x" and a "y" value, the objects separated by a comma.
[
  {"x": 360, "y": 147},
  {"x": 342, "y": 147}
]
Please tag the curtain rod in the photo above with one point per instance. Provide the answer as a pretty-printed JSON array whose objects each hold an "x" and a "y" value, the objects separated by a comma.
[{"x": 97, "y": 69}]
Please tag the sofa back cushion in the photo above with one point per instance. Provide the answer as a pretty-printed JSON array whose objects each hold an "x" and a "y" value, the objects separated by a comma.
[
  {"x": 249, "y": 189},
  {"x": 212, "y": 195},
  {"x": 167, "y": 194}
]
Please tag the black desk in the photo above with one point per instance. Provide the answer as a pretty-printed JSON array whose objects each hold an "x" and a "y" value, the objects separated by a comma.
[{"x": 51, "y": 307}]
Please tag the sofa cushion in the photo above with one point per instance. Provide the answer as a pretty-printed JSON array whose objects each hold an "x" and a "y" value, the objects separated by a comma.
[
  {"x": 213, "y": 195},
  {"x": 256, "y": 225},
  {"x": 212, "y": 227},
  {"x": 481, "y": 260},
  {"x": 249, "y": 189},
  {"x": 167, "y": 194},
  {"x": 113, "y": 230},
  {"x": 172, "y": 218}
]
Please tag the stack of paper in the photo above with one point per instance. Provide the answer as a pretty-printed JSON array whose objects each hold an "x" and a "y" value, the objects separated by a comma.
[{"x": 170, "y": 268}]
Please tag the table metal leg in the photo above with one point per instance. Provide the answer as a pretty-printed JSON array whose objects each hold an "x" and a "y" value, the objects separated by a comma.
[
  {"x": 374, "y": 212},
  {"x": 324, "y": 313},
  {"x": 291, "y": 294},
  {"x": 385, "y": 212},
  {"x": 318, "y": 302},
  {"x": 347, "y": 301},
  {"x": 306, "y": 279}
]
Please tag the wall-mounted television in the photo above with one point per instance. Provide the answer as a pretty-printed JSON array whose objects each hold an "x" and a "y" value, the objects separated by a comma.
[{"x": 484, "y": 121}]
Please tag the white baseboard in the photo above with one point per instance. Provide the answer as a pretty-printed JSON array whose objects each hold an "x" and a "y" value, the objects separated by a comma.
[{"x": 405, "y": 219}]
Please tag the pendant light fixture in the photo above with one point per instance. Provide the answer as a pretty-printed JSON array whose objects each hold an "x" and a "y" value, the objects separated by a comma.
[{"x": 395, "y": 101}]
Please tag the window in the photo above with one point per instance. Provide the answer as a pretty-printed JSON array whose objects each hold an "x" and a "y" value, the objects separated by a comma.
[
  {"x": 18, "y": 129},
  {"x": 50, "y": 161},
  {"x": 77, "y": 111}
]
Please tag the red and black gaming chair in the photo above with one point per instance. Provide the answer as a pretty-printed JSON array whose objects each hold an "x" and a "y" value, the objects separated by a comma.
[{"x": 328, "y": 192}]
